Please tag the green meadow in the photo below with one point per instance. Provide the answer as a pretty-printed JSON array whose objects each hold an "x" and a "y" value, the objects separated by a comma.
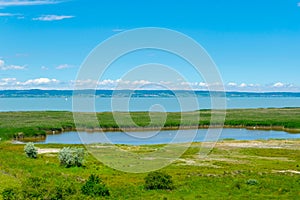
[{"x": 232, "y": 170}]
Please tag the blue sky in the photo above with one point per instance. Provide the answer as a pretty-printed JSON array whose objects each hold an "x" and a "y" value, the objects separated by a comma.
[{"x": 255, "y": 44}]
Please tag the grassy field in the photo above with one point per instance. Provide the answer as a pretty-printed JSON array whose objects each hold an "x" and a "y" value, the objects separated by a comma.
[
  {"x": 223, "y": 174},
  {"x": 13, "y": 124}
]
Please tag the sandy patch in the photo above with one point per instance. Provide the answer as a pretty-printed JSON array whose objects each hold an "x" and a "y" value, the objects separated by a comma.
[
  {"x": 271, "y": 144},
  {"x": 289, "y": 171},
  {"x": 43, "y": 151}
]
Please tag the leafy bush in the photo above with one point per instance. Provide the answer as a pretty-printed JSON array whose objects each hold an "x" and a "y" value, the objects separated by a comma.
[
  {"x": 94, "y": 187},
  {"x": 252, "y": 182},
  {"x": 158, "y": 181},
  {"x": 33, "y": 188},
  {"x": 63, "y": 190},
  {"x": 9, "y": 194},
  {"x": 70, "y": 157},
  {"x": 36, "y": 187},
  {"x": 30, "y": 150}
]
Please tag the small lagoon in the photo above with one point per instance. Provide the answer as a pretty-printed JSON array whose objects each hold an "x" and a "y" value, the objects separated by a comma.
[{"x": 162, "y": 137}]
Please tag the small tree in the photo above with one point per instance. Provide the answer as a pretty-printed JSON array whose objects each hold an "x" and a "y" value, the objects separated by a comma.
[
  {"x": 94, "y": 187},
  {"x": 30, "y": 150},
  {"x": 158, "y": 181},
  {"x": 70, "y": 157}
]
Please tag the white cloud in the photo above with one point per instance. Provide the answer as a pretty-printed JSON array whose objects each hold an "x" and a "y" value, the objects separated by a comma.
[
  {"x": 4, "y": 67},
  {"x": 44, "y": 68},
  {"x": 243, "y": 85},
  {"x": 13, "y": 67},
  {"x": 64, "y": 66},
  {"x": 109, "y": 84},
  {"x": 202, "y": 84},
  {"x": 141, "y": 82},
  {"x": 253, "y": 85},
  {"x": 190, "y": 83},
  {"x": 8, "y": 14},
  {"x": 7, "y": 81},
  {"x": 279, "y": 84},
  {"x": 283, "y": 85},
  {"x": 39, "y": 81},
  {"x": 52, "y": 17},
  {"x": 6, "y": 3},
  {"x": 84, "y": 84},
  {"x": 232, "y": 84},
  {"x": 298, "y": 4}
]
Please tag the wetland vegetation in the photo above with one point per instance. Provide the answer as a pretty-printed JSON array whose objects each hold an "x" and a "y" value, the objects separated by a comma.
[{"x": 39, "y": 123}]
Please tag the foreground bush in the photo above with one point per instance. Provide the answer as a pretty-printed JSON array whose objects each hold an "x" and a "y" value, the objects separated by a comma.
[
  {"x": 71, "y": 157},
  {"x": 42, "y": 188},
  {"x": 94, "y": 187},
  {"x": 30, "y": 150},
  {"x": 158, "y": 181},
  {"x": 252, "y": 182},
  {"x": 9, "y": 194}
]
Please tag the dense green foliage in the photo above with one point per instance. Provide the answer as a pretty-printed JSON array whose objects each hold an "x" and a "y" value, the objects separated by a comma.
[
  {"x": 37, "y": 124},
  {"x": 94, "y": 187},
  {"x": 8, "y": 194},
  {"x": 40, "y": 188},
  {"x": 158, "y": 181},
  {"x": 71, "y": 157},
  {"x": 30, "y": 150},
  {"x": 224, "y": 174}
]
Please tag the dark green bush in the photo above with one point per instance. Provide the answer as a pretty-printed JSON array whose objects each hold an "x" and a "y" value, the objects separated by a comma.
[
  {"x": 9, "y": 194},
  {"x": 158, "y": 181},
  {"x": 94, "y": 187}
]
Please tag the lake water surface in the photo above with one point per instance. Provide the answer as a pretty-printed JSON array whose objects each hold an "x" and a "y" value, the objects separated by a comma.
[
  {"x": 163, "y": 137},
  {"x": 142, "y": 103}
]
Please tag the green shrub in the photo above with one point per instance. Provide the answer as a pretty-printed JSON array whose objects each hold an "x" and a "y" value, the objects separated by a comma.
[
  {"x": 33, "y": 188},
  {"x": 158, "y": 181},
  {"x": 63, "y": 190},
  {"x": 71, "y": 157},
  {"x": 252, "y": 182},
  {"x": 9, "y": 194},
  {"x": 30, "y": 150},
  {"x": 94, "y": 187}
]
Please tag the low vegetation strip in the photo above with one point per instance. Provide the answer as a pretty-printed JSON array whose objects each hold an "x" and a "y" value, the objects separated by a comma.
[{"x": 39, "y": 123}]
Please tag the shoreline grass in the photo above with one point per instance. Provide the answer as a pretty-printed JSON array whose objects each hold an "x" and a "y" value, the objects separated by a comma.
[{"x": 39, "y": 123}]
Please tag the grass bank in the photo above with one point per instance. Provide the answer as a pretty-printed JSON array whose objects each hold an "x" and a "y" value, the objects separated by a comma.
[
  {"x": 36, "y": 124},
  {"x": 224, "y": 174}
]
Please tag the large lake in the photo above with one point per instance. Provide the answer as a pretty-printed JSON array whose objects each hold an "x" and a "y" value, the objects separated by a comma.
[
  {"x": 143, "y": 104},
  {"x": 163, "y": 137}
]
